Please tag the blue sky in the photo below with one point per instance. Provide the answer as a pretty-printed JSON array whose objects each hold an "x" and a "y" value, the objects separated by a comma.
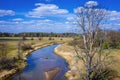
[{"x": 49, "y": 15}]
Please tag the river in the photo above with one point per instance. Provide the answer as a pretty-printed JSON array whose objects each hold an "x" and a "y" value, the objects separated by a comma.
[{"x": 41, "y": 61}]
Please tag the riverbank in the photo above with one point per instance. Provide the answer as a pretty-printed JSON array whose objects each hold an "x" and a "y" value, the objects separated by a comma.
[
  {"x": 76, "y": 66},
  {"x": 67, "y": 52},
  {"x": 50, "y": 75},
  {"x": 5, "y": 74}
]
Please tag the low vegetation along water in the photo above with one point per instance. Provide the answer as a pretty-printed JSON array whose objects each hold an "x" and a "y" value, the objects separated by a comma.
[{"x": 40, "y": 62}]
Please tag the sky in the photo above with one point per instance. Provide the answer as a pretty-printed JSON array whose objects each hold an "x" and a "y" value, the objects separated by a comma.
[{"x": 50, "y": 15}]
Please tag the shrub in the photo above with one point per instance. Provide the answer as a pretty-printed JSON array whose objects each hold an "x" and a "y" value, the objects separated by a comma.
[
  {"x": 6, "y": 63},
  {"x": 104, "y": 74},
  {"x": 106, "y": 45},
  {"x": 32, "y": 38},
  {"x": 26, "y": 47},
  {"x": 40, "y": 38},
  {"x": 49, "y": 38}
]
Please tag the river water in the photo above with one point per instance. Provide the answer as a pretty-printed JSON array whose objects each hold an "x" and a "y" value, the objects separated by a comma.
[{"x": 40, "y": 61}]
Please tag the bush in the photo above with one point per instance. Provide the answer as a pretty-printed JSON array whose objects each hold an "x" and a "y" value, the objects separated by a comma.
[
  {"x": 106, "y": 45},
  {"x": 32, "y": 38},
  {"x": 114, "y": 39},
  {"x": 49, "y": 38},
  {"x": 6, "y": 63},
  {"x": 26, "y": 47},
  {"x": 40, "y": 38},
  {"x": 104, "y": 74}
]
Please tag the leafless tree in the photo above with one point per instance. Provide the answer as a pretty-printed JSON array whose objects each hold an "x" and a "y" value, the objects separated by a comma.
[
  {"x": 3, "y": 49},
  {"x": 89, "y": 20},
  {"x": 20, "y": 49}
]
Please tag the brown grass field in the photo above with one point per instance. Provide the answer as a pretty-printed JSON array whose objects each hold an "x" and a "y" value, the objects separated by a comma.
[{"x": 12, "y": 43}]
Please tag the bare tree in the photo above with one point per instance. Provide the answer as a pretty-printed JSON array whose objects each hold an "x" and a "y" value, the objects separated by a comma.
[
  {"x": 19, "y": 49},
  {"x": 3, "y": 49},
  {"x": 89, "y": 20}
]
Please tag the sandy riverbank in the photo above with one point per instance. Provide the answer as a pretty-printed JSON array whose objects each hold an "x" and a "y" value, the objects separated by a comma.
[
  {"x": 50, "y": 75},
  {"x": 67, "y": 52}
]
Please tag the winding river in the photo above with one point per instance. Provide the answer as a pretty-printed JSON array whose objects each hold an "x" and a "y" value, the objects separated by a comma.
[{"x": 41, "y": 61}]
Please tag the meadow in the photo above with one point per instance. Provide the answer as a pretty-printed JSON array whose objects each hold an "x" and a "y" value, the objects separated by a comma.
[{"x": 12, "y": 43}]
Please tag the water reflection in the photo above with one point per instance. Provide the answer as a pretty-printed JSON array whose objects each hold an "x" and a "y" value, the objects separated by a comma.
[{"x": 40, "y": 61}]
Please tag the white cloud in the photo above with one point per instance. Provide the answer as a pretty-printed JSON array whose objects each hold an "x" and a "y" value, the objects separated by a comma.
[
  {"x": 43, "y": 10},
  {"x": 6, "y": 13},
  {"x": 67, "y": 22},
  {"x": 113, "y": 15},
  {"x": 79, "y": 10},
  {"x": 91, "y": 4},
  {"x": 18, "y": 19},
  {"x": 70, "y": 18},
  {"x": 5, "y": 23},
  {"x": 47, "y": 0},
  {"x": 45, "y": 25}
]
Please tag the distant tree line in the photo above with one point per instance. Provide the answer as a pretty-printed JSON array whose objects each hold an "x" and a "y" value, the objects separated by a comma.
[
  {"x": 112, "y": 40},
  {"x": 37, "y": 34}
]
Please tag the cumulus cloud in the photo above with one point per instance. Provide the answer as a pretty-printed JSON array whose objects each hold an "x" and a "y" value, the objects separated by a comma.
[
  {"x": 45, "y": 25},
  {"x": 88, "y": 4},
  {"x": 43, "y": 10},
  {"x": 114, "y": 15},
  {"x": 70, "y": 18},
  {"x": 6, "y": 13},
  {"x": 91, "y": 3},
  {"x": 18, "y": 19},
  {"x": 79, "y": 10}
]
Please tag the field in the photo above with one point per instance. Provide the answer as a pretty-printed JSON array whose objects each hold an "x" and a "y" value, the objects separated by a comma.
[{"x": 12, "y": 43}]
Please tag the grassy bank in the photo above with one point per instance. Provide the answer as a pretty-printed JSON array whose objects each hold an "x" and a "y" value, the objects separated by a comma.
[
  {"x": 12, "y": 51},
  {"x": 67, "y": 52}
]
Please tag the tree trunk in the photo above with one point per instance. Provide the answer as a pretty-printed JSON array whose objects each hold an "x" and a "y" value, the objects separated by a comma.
[{"x": 88, "y": 68}]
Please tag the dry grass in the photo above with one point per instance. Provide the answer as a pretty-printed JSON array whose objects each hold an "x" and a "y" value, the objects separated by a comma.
[
  {"x": 115, "y": 53},
  {"x": 12, "y": 43},
  {"x": 68, "y": 53}
]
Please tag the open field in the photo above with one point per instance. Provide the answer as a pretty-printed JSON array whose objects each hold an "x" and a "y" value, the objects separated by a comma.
[
  {"x": 9, "y": 38},
  {"x": 12, "y": 43}
]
